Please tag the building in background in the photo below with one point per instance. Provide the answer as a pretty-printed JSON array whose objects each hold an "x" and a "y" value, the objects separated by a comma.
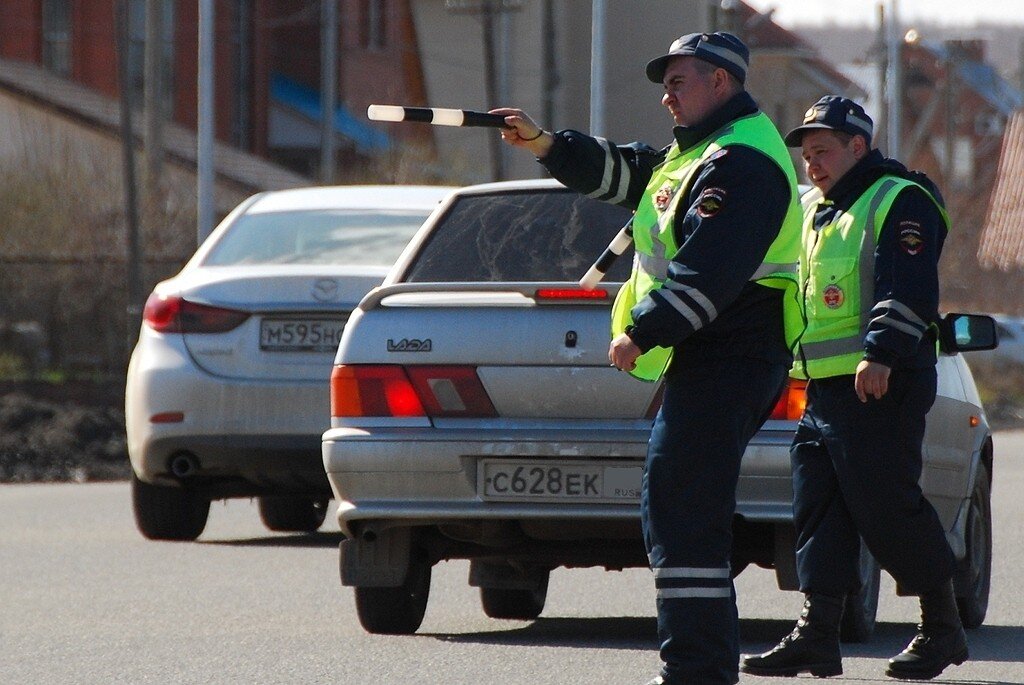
[
  {"x": 473, "y": 54},
  {"x": 59, "y": 91},
  {"x": 1002, "y": 239},
  {"x": 955, "y": 111}
]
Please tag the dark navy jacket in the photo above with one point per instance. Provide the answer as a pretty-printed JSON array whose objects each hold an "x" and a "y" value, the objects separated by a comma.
[
  {"x": 719, "y": 249},
  {"x": 906, "y": 262}
]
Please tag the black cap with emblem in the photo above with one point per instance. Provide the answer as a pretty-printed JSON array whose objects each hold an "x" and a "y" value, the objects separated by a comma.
[
  {"x": 721, "y": 49},
  {"x": 836, "y": 113}
]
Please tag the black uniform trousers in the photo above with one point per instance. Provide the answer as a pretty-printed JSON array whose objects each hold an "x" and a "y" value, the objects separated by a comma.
[
  {"x": 688, "y": 500},
  {"x": 856, "y": 468}
]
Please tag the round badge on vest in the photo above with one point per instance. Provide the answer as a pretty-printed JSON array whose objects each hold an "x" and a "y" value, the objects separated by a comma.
[{"x": 833, "y": 296}]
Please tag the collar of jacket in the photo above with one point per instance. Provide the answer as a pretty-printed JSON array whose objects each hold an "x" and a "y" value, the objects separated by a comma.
[
  {"x": 739, "y": 105},
  {"x": 859, "y": 178}
]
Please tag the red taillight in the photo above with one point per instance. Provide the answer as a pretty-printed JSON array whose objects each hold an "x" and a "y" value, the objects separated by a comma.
[
  {"x": 373, "y": 391},
  {"x": 791, "y": 403},
  {"x": 434, "y": 391},
  {"x": 570, "y": 294},
  {"x": 173, "y": 314}
]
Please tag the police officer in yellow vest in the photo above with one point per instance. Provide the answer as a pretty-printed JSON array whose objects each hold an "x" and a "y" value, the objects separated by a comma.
[
  {"x": 872, "y": 237},
  {"x": 716, "y": 231}
]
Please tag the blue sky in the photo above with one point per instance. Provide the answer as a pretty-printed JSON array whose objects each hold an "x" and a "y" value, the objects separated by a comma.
[{"x": 791, "y": 13}]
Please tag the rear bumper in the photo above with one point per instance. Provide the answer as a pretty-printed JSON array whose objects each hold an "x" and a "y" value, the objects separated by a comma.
[
  {"x": 400, "y": 477},
  {"x": 233, "y": 465},
  {"x": 249, "y": 437}
]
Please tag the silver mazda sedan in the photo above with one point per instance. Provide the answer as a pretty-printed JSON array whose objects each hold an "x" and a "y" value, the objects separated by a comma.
[{"x": 227, "y": 389}]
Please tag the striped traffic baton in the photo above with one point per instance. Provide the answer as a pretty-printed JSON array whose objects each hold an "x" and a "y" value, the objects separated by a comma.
[
  {"x": 438, "y": 116},
  {"x": 622, "y": 240}
]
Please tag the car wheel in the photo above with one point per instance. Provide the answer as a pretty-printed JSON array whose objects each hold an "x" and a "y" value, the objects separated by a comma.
[
  {"x": 396, "y": 610},
  {"x": 291, "y": 514},
  {"x": 974, "y": 572},
  {"x": 168, "y": 513},
  {"x": 521, "y": 604},
  {"x": 861, "y": 607}
]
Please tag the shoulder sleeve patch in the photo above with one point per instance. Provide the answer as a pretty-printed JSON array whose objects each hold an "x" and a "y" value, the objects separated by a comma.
[
  {"x": 717, "y": 155},
  {"x": 710, "y": 202},
  {"x": 910, "y": 238}
]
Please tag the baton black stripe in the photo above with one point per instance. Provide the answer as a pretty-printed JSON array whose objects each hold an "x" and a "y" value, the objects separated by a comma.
[{"x": 605, "y": 261}]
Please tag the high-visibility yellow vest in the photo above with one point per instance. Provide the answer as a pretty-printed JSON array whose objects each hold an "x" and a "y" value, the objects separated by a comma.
[
  {"x": 654, "y": 238},
  {"x": 837, "y": 276}
]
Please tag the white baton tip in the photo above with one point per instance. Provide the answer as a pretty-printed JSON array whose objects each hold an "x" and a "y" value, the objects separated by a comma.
[
  {"x": 620, "y": 242},
  {"x": 591, "y": 278},
  {"x": 385, "y": 113},
  {"x": 447, "y": 117}
]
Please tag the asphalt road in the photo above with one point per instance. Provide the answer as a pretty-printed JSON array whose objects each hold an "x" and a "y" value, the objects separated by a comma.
[{"x": 84, "y": 599}]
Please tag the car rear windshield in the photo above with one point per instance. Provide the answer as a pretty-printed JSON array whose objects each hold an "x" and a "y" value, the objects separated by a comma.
[
  {"x": 553, "y": 235},
  {"x": 316, "y": 237}
]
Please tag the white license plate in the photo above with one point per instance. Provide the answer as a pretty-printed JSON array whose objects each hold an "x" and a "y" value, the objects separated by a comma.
[
  {"x": 509, "y": 480},
  {"x": 300, "y": 335}
]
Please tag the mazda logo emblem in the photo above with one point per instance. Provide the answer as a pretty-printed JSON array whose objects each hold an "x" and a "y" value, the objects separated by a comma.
[{"x": 325, "y": 290}]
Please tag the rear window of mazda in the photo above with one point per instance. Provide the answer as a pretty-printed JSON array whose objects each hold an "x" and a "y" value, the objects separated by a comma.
[{"x": 517, "y": 237}]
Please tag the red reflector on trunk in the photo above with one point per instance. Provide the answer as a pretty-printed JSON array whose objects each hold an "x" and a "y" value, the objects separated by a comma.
[
  {"x": 451, "y": 391},
  {"x": 167, "y": 417},
  {"x": 570, "y": 294}
]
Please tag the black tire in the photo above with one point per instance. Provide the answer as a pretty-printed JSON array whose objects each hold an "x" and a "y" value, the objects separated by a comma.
[
  {"x": 861, "y": 607},
  {"x": 168, "y": 513},
  {"x": 395, "y": 610},
  {"x": 291, "y": 514},
  {"x": 973, "y": 576},
  {"x": 522, "y": 605}
]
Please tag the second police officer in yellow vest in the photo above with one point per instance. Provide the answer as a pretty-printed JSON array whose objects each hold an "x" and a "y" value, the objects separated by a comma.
[
  {"x": 716, "y": 228},
  {"x": 869, "y": 278}
]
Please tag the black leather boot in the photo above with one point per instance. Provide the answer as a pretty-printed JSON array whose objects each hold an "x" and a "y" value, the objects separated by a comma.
[
  {"x": 812, "y": 647},
  {"x": 940, "y": 639}
]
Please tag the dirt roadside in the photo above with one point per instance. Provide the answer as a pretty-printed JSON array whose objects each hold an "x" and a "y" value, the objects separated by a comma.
[{"x": 68, "y": 432}]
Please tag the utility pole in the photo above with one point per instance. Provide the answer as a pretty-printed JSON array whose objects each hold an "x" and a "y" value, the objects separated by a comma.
[
  {"x": 328, "y": 88},
  {"x": 895, "y": 81},
  {"x": 550, "y": 69},
  {"x": 487, "y": 9},
  {"x": 153, "y": 96},
  {"x": 882, "y": 52},
  {"x": 949, "y": 167},
  {"x": 205, "y": 125},
  {"x": 133, "y": 282},
  {"x": 491, "y": 87},
  {"x": 598, "y": 55}
]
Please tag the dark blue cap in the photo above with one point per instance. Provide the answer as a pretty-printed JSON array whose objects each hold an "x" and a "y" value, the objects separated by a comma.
[
  {"x": 835, "y": 113},
  {"x": 721, "y": 49}
]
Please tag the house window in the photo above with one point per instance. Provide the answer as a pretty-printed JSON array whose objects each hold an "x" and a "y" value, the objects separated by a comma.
[
  {"x": 57, "y": 36},
  {"x": 373, "y": 29}
]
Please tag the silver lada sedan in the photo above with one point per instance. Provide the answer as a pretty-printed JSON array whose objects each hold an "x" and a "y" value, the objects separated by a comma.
[{"x": 474, "y": 416}]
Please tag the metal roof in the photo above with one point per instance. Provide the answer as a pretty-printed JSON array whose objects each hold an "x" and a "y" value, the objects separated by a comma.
[{"x": 980, "y": 77}]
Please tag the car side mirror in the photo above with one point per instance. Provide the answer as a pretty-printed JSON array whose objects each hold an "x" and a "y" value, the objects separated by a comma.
[{"x": 967, "y": 333}]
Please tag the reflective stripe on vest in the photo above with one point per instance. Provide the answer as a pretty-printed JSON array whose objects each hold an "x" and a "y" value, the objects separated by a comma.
[
  {"x": 834, "y": 345},
  {"x": 655, "y": 244}
]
